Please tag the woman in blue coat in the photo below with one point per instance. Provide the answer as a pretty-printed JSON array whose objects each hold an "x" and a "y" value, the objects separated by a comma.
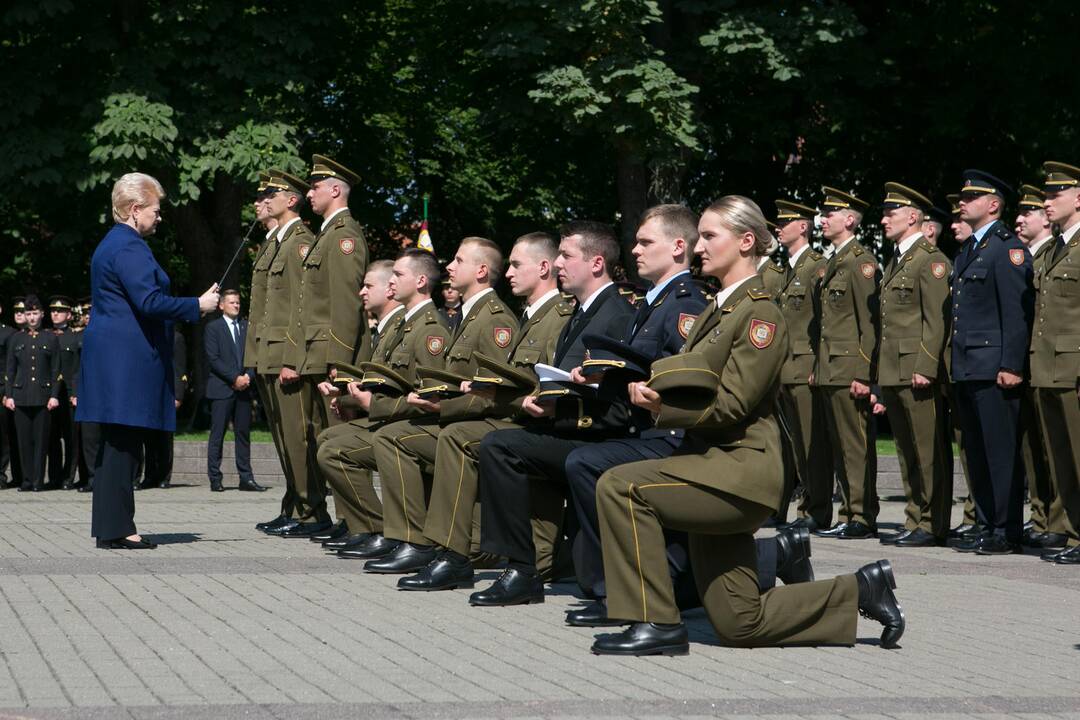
[{"x": 126, "y": 372}]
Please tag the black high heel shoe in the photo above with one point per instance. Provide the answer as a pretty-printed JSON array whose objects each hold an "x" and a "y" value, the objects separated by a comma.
[{"x": 125, "y": 544}]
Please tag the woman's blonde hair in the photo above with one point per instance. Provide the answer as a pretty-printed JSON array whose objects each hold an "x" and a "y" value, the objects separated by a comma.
[
  {"x": 134, "y": 189},
  {"x": 742, "y": 215}
]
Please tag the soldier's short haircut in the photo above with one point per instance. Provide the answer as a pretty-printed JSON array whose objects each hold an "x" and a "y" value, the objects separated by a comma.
[
  {"x": 543, "y": 245},
  {"x": 423, "y": 263},
  {"x": 490, "y": 255},
  {"x": 300, "y": 200},
  {"x": 678, "y": 221},
  {"x": 383, "y": 268},
  {"x": 597, "y": 238}
]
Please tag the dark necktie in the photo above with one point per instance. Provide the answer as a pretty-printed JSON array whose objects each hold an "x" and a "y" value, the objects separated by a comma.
[{"x": 235, "y": 333}]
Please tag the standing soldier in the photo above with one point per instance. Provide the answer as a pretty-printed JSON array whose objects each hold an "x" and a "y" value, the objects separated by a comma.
[
  {"x": 914, "y": 311},
  {"x": 1046, "y": 529},
  {"x": 289, "y": 238},
  {"x": 7, "y": 437},
  {"x": 846, "y": 310},
  {"x": 327, "y": 326},
  {"x": 800, "y": 404},
  {"x": 89, "y": 433},
  {"x": 1055, "y": 350},
  {"x": 33, "y": 366},
  {"x": 63, "y": 452},
  {"x": 992, "y": 305}
]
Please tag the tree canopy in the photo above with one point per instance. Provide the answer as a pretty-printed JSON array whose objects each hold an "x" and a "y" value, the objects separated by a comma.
[{"x": 514, "y": 115}]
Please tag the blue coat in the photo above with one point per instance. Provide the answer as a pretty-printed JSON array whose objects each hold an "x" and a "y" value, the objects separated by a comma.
[
  {"x": 126, "y": 369},
  {"x": 992, "y": 305}
]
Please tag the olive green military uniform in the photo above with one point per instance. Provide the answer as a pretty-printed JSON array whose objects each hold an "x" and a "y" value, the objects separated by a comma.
[
  {"x": 1047, "y": 513},
  {"x": 276, "y": 344},
  {"x": 801, "y": 404},
  {"x": 720, "y": 491},
  {"x": 1055, "y": 358},
  {"x": 346, "y": 451},
  {"x": 452, "y": 516},
  {"x": 914, "y": 310},
  {"x": 405, "y": 450},
  {"x": 846, "y": 307},
  {"x": 773, "y": 277}
]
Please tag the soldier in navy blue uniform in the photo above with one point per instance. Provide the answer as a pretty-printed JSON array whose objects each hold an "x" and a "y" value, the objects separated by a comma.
[
  {"x": 32, "y": 387},
  {"x": 63, "y": 450},
  {"x": 7, "y": 434},
  {"x": 992, "y": 305}
]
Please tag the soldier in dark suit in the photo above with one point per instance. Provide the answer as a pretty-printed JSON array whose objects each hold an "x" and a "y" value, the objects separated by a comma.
[
  {"x": 33, "y": 369},
  {"x": 63, "y": 452},
  {"x": 229, "y": 390},
  {"x": 992, "y": 300},
  {"x": 588, "y": 252},
  {"x": 7, "y": 434},
  {"x": 451, "y": 305}
]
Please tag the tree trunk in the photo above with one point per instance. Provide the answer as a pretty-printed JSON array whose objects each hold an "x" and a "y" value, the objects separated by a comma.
[{"x": 632, "y": 185}]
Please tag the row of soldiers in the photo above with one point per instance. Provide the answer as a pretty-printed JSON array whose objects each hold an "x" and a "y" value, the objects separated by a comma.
[
  {"x": 479, "y": 434},
  {"x": 39, "y": 389}
]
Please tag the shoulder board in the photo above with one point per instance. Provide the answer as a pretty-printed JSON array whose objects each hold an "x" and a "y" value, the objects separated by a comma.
[
  {"x": 774, "y": 267},
  {"x": 431, "y": 315},
  {"x": 925, "y": 245},
  {"x": 757, "y": 294},
  {"x": 815, "y": 255},
  {"x": 495, "y": 305},
  {"x": 564, "y": 308},
  {"x": 857, "y": 249},
  {"x": 339, "y": 222}
]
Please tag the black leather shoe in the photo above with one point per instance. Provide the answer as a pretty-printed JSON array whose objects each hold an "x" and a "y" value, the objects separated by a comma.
[
  {"x": 406, "y": 558},
  {"x": 892, "y": 538},
  {"x": 346, "y": 543},
  {"x": 144, "y": 485},
  {"x": 216, "y": 487},
  {"x": 1032, "y": 538},
  {"x": 877, "y": 601},
  {"x": 593, "y": 615},
  {"x": 856, "y": 531},
  {"x": 375, "y": 546},
  {"x": 513, "y": 587},
  {"x": 1051, "y": 555},
  {"x": 289, "y": 524},
  {"x": 644, "y": 639},
  {"x": 276, "y": 522},
  {"x": 964, "y": 531},
  {"x": 997, "y": 545},
  {"x": 125, "y": 544},
  {"x": 337, "y": 530},
  {"x": 86, "y": 488},
  {"x": 1054, "y": 540},
  {"x": 833, "y": 531},
  {"x": 967, "y": 544},
  {"x": 1029, "y": 525},
  {"x": 26, "y": 487},
  {"x": 793, "y": 556},
  {"x": 305, "y": 530},
  {"x": 446, "y": 572},
  {"x": 250, "y": 486},
  {"x": 918, "y": 538},
  {"x": 804, "y": 522},
  {"x": 1068, "y": 557}
]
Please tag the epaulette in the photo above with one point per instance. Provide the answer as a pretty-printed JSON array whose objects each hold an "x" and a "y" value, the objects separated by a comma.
[
  {"x": 925, "y": 245},
  {"x": 756, "y": 294},
  {"x": 857, "y": 249},
  {"x": 494, "y": 305},
  {"x": 815, "y": 255},
  {"x": 774, "y": 267},
  {"x": 431, "y": 315},
  {"x": 564, "y": 308}
]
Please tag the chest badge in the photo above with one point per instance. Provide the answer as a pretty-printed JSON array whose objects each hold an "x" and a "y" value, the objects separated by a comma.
[
  {"x": 762, "y": 333},
  {"x": 435, "y": 344},
  {"x": 302, "y": 250}
]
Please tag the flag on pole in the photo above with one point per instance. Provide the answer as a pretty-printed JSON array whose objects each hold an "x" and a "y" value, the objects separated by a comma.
[{"x": 424, "y": 241}]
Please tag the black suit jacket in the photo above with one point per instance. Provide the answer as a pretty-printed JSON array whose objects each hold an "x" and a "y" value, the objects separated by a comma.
[{"x": 225, "y": 357}]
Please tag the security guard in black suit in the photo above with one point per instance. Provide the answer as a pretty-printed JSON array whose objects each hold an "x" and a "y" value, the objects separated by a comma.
[
  {"x": 992, "y": 306},
  {"x": 63, "y": 452},
  {"x": 33, "y": 369}
]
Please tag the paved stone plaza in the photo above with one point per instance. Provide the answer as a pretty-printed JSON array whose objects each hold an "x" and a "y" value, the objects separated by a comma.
[{"x": 224, "y": 622}]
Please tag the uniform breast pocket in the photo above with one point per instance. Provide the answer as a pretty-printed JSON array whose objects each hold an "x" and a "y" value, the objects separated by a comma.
[
  {"x": 836, "y": 292},
  {"x": 1066, "y": 283},
  {"x": 400, "y": 358},
  {"x": 527, "y": 357},
  {"x": 313, "y": 267},
  {"x": 975, "y": 281},
  {"x": 795, "y": 298},
  {"x": 1066, "y": 358},
  {"x": 902, "y": 291}
]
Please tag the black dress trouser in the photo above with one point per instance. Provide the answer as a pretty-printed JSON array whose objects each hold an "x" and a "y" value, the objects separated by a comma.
[
  {"x": 32, "y": 431},
  {"x": 115, "y": 470}
]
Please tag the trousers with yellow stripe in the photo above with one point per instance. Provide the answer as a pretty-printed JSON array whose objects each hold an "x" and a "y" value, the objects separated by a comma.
[{"x": 637, "y": 501}]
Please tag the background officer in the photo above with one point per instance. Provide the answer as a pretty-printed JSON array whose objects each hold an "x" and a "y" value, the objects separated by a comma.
[
  {"x": 63, "y": 451},
  {"x": 33, "y": 369},
  {"x": 914, "y": 312},
  {"x": 846, "y": 310},
  {"x": 992, "y": 307}
]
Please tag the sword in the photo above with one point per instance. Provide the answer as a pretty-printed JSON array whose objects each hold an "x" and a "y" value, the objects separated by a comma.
[{"x": 236, "y": 254}]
